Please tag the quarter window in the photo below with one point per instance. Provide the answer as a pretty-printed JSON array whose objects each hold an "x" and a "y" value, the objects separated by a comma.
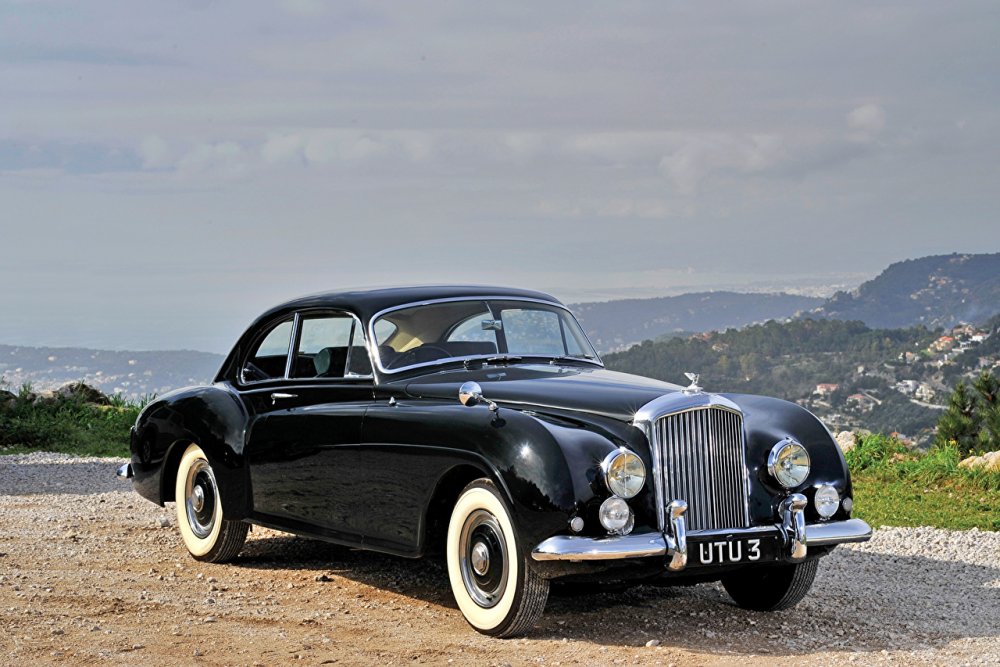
[
  {"x": 270, "y": 356},
  {"x": 330, "y": 346}
]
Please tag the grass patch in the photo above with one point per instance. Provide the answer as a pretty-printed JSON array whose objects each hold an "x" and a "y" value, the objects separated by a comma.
[
  {"x": 896, "y": 487},
  {"x": 67, "y": 424}
]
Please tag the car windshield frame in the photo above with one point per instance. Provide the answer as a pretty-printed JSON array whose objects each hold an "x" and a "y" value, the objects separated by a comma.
[{"x": 501, "y": 356}]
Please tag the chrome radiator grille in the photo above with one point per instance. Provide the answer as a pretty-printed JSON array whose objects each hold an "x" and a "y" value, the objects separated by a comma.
[{"x": 703, "y": 461}]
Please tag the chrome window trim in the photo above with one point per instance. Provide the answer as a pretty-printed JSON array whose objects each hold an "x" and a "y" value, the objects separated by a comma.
[
  {"x": 674, "y": 404},
  {"x": 293, "y": 344},
  {"x": 373, "y": 343}
]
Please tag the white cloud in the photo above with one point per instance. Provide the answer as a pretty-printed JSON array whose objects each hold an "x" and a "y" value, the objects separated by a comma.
[
  {"x": 154, "y": 152},
  {"x": 226, "y": 159},
  {"x": 865, "y": 122},
  {"x": 282, "y": 148},
  {"x": 702, "y": 155}
]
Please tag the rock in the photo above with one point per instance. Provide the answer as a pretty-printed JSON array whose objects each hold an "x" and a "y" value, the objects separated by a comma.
[
  {"x": 988, "y": 461},
  {"x": 82, "y": 392},
  {"x": 7, "y": 397},
  {"x": 653, "y": 642},
  {"x": 846, "y": 441}
]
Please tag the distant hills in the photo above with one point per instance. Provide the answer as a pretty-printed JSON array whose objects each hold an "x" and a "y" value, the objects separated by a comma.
[
  {"x": 131, "y": 373},
  {"x": 936, "y": 291},
  {"x": 614, "y": 325},
  {"x": 850, "y": 375}
]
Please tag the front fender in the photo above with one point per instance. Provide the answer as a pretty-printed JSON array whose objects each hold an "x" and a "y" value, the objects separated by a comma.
[
  {"x": 768, "y": 420},
  {"x": 212, "y": 417}
]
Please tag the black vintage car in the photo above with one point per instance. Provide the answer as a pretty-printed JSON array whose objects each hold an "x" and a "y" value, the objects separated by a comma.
[{"x": 480, "y": 422}]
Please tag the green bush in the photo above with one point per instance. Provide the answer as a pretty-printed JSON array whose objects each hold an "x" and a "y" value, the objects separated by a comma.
[
  {"x": 874, "y": 451},
  {"x": 65, "y": 424}
]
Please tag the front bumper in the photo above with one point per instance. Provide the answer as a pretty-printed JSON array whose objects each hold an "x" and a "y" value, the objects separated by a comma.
[{"x": 651, "y": 544}]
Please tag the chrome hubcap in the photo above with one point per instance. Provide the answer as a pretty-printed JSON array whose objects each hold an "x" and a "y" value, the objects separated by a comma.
[
  {"x": 198, "y": 498},
  {"x": 480, "y": 558},
  {"x": 483, "y": 558},
  {"x": 201, "y": 499}
]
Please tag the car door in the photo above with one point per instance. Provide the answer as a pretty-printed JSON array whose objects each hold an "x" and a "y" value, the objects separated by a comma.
[{"x": 306, "y": 428}]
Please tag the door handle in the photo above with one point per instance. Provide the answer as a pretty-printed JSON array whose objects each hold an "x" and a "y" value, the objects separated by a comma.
[{"x": 277, "y": 396}]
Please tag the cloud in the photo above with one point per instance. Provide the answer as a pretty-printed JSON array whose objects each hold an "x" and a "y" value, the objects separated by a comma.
[
  {"x": 227, "y": 159},
  {"x": 865, "y": 122},
  {"x": 283, "y": 148},
  {"x": 702, "y": 155},
  {"x": 154, "y": 152}
]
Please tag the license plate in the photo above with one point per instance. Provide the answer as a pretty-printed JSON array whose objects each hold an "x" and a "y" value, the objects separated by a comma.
[{"x": 728, "y": 550}]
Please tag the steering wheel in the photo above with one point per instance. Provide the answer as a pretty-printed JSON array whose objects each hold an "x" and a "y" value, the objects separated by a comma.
[{"x": 419, "y": 355}]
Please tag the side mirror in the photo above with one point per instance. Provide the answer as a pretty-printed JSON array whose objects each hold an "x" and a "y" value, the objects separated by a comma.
[{"x": 470, "y": 394}]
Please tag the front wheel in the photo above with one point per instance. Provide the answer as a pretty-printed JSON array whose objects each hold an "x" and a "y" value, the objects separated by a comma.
[
  {"x": 207, "y": 535},
  {"x": 496, "y": 590},
  {"x": 771, "y": 587}
]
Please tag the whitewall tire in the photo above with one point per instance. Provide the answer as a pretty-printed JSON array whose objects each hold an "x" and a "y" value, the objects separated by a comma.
[
  {"x": 496, "y": 590},
  {"x": 207, "y": 535}
]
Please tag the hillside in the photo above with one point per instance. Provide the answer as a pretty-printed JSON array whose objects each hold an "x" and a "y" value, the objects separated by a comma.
[
  {"x": 851, "y": 375},
  {"x": 614, "y": 325},
  {"x": 936, "y": 291},
  {"x": 133, "y": 374}
]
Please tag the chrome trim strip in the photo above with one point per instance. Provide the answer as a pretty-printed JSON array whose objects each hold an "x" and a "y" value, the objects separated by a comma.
[
  {"x": 649, "y": 544},
  {"x": 374, "y": 343},
  {"x": 838, "y": 532},
  {"x": 575, "y": 547}
]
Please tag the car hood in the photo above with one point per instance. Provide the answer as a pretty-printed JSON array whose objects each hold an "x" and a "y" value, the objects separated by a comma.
[{"x": 593, "y": 390}]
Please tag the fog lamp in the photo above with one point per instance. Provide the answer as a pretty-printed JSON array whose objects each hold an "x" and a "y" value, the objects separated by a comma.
[
  {"x": 616, "y": 516},
  {"x": 827, "y": 500}
]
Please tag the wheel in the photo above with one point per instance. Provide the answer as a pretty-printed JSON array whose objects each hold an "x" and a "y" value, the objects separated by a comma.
[
  {"x": 496, "y": 590},
  {"x": 207, "y": 535},
  {"x": 771, "y": 588}
]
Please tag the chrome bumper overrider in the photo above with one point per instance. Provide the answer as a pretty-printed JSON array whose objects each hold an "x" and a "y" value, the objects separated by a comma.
[{"x": 797, "y": 534}]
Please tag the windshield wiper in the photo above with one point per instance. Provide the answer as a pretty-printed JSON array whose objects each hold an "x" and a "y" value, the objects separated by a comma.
[
  {"x": 499, "y": 360},
  {"x": 585, "y": 358}
]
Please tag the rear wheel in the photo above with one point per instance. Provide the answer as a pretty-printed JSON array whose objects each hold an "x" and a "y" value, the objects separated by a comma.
[
  {"x": 207, "y": 535},
  {"x": 771, "y": 588},
  {"x": 496, "y": 590}
]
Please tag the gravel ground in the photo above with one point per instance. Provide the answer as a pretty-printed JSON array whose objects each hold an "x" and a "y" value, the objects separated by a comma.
[{"x": 92, "y": 573}]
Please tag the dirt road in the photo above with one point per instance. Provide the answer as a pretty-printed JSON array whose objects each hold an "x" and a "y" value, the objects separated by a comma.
[{"x": 90, "y": 573}]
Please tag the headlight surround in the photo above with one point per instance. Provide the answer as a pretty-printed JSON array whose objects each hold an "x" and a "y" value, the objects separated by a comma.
[
  {"x": 827, "y": 500},
  {"x": 789, "y": 463},
  {"x": 616, "y": 516},
  {"x": 624, "y": 473}
]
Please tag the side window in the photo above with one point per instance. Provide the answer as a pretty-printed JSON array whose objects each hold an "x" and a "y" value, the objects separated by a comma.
[
  {"x": 330, "y": 346},
  {"x": 268, "y": 359}
]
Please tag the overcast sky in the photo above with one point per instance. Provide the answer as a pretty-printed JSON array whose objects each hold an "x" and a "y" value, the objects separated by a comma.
[{"x": 170, "y": 169}]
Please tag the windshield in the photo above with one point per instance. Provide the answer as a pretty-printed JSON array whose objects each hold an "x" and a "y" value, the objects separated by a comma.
[{"x": 461, "y": 330}]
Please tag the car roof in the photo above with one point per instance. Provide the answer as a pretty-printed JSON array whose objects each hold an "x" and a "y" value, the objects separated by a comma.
[{"x": 367, "y": 302}]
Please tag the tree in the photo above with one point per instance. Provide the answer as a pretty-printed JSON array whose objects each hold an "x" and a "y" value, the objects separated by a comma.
[
  {"x": 988, "y": 410},
  {"x": 957, "y": 425},
  {"x": 972, "y": 420}
]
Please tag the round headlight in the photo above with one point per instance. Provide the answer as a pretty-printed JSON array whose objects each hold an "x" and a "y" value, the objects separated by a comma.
[
  {"x": 827, "y": 501},
  {"x": 616, "y": 517},
  {"x": 624, "y": 473},
  {"x": 788, "y": 463}
]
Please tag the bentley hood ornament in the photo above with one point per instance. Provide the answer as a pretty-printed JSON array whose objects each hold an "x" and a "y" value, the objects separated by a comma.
[{"x": 692, "y": 388}]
